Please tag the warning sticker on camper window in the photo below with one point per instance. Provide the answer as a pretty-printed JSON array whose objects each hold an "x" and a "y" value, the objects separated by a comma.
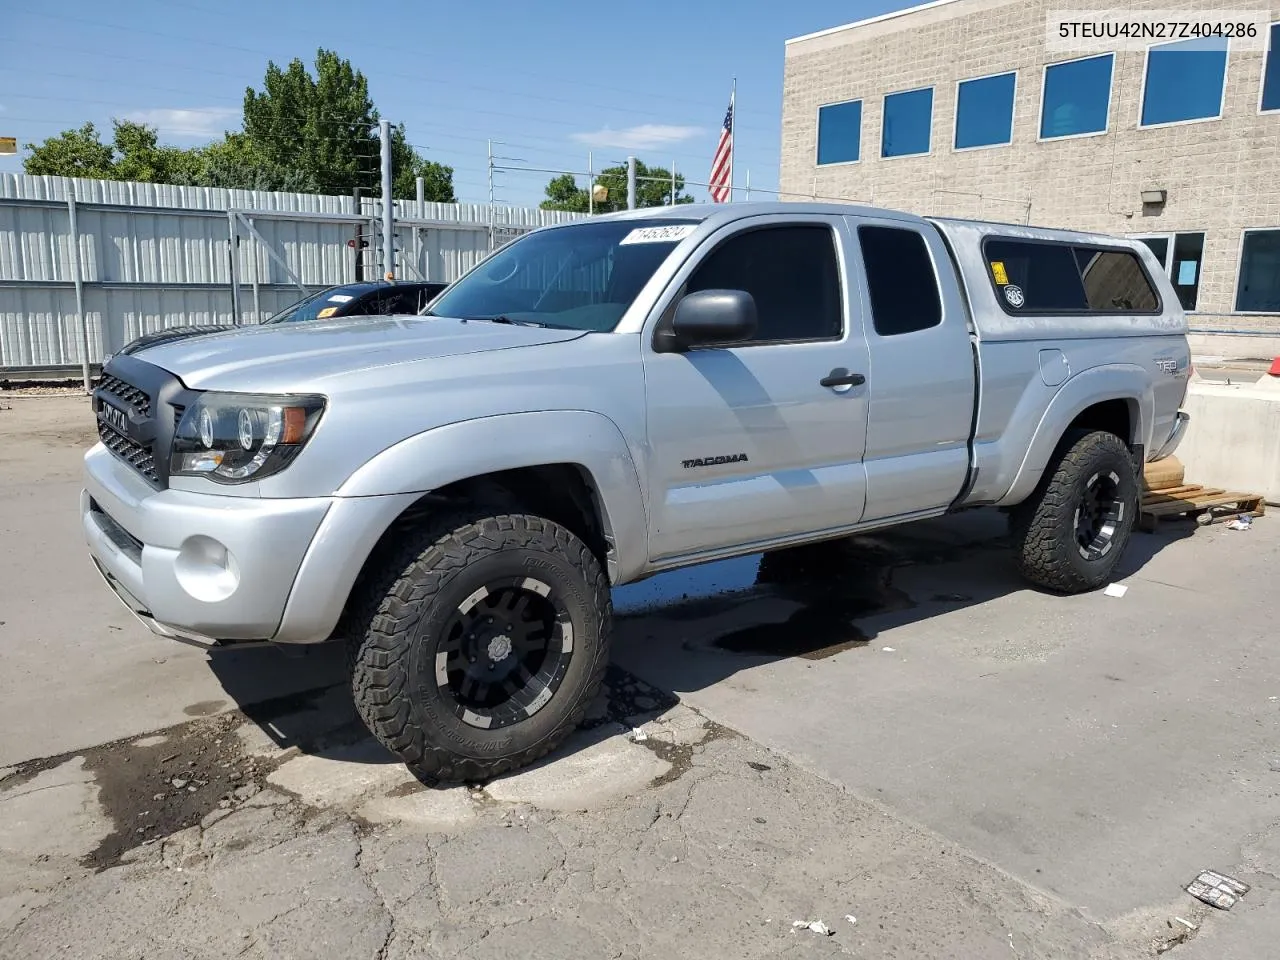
[
  {"x": 326, "y": 312},
  {"x": 672, "y": 234},
  {"x": 998, "y": 271},
  {"x": 340, "y": 298}
]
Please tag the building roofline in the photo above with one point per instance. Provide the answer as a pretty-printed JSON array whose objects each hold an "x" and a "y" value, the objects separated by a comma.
[{"x": 893, "y": 14}]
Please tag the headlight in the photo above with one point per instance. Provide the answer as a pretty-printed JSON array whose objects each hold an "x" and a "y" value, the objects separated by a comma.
[{"x": 236, "y": 437}]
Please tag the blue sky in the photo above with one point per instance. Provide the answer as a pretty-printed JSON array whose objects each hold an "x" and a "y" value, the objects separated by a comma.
[{"x": 551, "y": 81}]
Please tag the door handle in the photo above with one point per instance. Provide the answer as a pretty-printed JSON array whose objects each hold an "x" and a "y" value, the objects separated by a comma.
[{"x": 842, "y": 378}]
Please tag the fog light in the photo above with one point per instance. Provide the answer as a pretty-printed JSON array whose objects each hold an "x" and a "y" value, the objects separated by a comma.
[{"x": 206, "y": 569}]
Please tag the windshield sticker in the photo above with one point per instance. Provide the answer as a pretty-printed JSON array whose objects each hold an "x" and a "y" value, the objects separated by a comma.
[
  {"x": 1014, "y": 296},
  {"x": 997, "y": 271},
  {"x": 671, "y": 234},
  {"x": 340, "y": 298},
  {"x": 326, "y": 312}
]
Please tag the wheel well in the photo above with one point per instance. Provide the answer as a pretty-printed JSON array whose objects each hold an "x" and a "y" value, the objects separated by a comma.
[
  {"x": 1113, "y": 416},
  {"x": 560, "y": 492}
]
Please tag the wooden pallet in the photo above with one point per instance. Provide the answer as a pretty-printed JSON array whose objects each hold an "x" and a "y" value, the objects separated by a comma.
[{"x": 1165, "y": 494}]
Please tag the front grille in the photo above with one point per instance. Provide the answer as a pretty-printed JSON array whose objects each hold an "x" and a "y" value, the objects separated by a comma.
[
  {"x": 127, "y": 393},
  {"x": 134, "y": 454}
]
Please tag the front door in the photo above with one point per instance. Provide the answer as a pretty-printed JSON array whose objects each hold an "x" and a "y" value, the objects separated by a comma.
[{"x": 746, "y": 443}]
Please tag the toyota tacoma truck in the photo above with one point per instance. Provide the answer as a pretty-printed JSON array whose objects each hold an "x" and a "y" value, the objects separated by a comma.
[{"x": 454, "y": 494}]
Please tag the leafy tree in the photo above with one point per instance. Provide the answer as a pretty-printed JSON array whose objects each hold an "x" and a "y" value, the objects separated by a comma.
[
  {"x": 653, "y": 189},
  {"x": 324, "y": 127},
  {"x": 302, "y": 134},
  {"x": 72, "y": 153}
]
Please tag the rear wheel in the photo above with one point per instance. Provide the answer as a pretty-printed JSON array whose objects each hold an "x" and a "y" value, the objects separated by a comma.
[
  {"x": 486, "y": 638},
  {"x": 1071, "y": 532}
]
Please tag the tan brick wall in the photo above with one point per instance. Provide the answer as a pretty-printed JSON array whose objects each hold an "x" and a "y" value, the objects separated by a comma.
[{"x": 1222, "y": 176}]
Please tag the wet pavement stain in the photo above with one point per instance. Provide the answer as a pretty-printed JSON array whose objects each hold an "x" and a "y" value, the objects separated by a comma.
[{"x": 205, "y": 708}]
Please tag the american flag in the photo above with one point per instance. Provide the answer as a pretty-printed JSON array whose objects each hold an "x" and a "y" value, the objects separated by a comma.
[{"x": 722, "y": 165}]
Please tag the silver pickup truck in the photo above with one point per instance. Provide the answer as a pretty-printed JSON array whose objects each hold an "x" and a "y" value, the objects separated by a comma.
[{"x": 453, "y": 494}]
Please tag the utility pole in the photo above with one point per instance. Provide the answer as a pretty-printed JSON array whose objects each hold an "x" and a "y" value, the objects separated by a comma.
[
  {"x": 388, "y": 210},
  {"x": 591, "y": 187},
  {"x": 673, "y": 183},
  {"x": 420, "y": 192},
  {"x": 359, "y": 237},
  {"x": 631, "y": 183}
]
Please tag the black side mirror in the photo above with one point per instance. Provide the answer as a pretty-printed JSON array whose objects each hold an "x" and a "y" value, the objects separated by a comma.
[{"x": 709, "y": 317}]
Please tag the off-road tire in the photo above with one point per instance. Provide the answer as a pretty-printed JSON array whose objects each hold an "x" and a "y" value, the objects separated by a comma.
[
  {"x": 397, "y": 619},
  {"x": 1043, "y": 527}
]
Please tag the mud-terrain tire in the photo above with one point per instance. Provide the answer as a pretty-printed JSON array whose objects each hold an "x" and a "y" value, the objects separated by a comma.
[
  {"x": 1070, "y": 533},
  {"x": 463, "y": 600}
]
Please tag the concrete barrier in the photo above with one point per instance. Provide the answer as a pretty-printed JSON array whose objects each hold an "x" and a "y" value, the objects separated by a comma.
[{"x": 1233, "y": 439}]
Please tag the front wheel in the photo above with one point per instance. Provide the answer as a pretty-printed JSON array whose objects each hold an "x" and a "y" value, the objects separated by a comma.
[
  {"x": 485, "y": 638},
  {"x": 1071, "y": 532}
]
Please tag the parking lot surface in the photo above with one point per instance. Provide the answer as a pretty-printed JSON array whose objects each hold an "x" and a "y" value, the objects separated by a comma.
[{"x": 892, "y": 736}]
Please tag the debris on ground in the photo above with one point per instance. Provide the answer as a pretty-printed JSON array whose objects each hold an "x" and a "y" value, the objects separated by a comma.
[
  {"x": 889, "y": 649},
  {"x": 1116, "y": 590},
  {"x": 1178, "y": 937},
  {"x": 851, "y": 918},
  {"x": 817, "y": 926},
  {"x": 1217, "y": 889},
  {"x": 638, "y": 735},
  {"x": 1242, "y": 522}
]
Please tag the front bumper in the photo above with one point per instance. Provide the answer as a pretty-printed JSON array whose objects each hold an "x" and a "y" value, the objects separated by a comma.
[
  {"x": 191, "y": 565},
  {"x": 215, "y": 570},
  {"x": 1175, "y": 436}
]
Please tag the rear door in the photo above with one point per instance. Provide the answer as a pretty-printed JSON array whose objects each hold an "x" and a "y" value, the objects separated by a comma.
[
  {"x": 921, "y": 383},
  {"x": 746, "y": 444}
]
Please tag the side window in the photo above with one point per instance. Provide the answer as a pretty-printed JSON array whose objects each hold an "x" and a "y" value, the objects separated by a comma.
[
  {"x": 1114, "y": 282},
  {"x": 792, "y": 274},
  {"x": 900, "y": 280},
  {"x": 401, "y": 301},
  {"x": 1035, "y": 277}
]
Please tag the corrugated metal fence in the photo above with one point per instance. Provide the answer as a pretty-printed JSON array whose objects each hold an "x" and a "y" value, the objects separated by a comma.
[{"x": 150, "y": 256}]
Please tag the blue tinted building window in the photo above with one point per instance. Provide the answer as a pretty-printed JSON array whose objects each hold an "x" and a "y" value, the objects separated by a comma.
[
  {"x": 840, "y": 132},
  {"x": 1184, "y": 81},
  {"x": 984, "y": 111},
  {"x": 1271, "y": 72},
  {"x": 1077, "y": 97},
  {"x": 908, "y": 118}
]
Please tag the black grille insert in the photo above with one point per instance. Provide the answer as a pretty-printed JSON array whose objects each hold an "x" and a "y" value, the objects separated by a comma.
[
  {"x": 127, "y": 393},
  {"x": 134, "y": 454}
]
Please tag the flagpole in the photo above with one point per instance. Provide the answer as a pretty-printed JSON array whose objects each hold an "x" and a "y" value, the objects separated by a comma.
[{"x": 733, "y": 128}]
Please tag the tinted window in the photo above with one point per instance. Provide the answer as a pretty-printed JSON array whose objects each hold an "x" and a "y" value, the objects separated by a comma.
[
  {"x": 1076, "y": 97},
  {"x": 1271, "y": 73},
  {"x": 907, "y": 121},
  {"x": 1259, "y": 287},
  {"x": 407, "y": 300},
  {"x": 840, "y": 132},
  {"x": 984, "y": 111},
  {"x": 1184, "y": 81},
  {"x": 582, "y": 276},
  {"x": 1035, "y": 277},
  {"x": 1114, "y": 282},
  {"x": 900, "y": 280},
  {"x": 790, "y": 271}
]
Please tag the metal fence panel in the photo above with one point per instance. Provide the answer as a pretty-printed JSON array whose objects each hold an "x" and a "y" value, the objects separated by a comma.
[{"x": 157, "y": 255}]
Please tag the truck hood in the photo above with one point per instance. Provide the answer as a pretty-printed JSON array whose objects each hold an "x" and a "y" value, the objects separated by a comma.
[{"x": 294, "y": 356}]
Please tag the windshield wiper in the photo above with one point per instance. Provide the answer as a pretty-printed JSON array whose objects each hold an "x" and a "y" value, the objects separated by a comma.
[{"x": 502, "y": 318}]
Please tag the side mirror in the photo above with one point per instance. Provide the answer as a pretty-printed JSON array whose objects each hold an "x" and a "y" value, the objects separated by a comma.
[{"x": 709, "y": 317}]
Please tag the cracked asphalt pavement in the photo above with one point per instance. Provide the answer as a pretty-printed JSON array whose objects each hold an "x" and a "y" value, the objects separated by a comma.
[{"x": 892, "y": 737}]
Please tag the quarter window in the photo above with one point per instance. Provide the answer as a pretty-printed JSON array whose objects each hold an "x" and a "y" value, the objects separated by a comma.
[
  {"x": 901, "y": 282},
  {"x": 840, "y": 132},
  {"x": 1259, "y": 288},
  {"x": 1046, "y": 277},
  {"x": 791, "y": 273},
  {"x": 984, "y": 111},
  {"x": 1077, "y": 97},
  {"x": 1184, "y": 81},
  {"x": 908, "y": 117},
  {"x": 1271, "y": 72}
]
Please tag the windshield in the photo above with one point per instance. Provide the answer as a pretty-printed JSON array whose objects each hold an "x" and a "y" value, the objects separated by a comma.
[
  {"x": 308, "y": 308},
  {"x": 579, "y": 277}
]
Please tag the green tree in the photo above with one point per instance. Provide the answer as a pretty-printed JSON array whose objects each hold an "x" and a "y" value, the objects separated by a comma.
[
  {"x": 324, "y": 128},
  {"x": 653, "y": 189},
  {"x": 72, "y": 153}
]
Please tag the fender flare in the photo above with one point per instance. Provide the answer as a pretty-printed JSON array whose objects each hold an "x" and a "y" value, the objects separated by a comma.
[
  {"x": 468, "y": 448},
  {"x": 1115, "y": 381}
]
